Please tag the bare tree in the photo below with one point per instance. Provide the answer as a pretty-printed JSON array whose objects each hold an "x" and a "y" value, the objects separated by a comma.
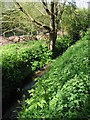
[{"x": 54, "y": 12}]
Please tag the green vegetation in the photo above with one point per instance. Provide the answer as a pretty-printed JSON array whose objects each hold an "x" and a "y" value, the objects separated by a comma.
[
  {"x": 75, "y": 22},
  {"x": 63, "y": 92},
  {"x": 20, "y": 60},
  {"x": 62, "y": 43}
]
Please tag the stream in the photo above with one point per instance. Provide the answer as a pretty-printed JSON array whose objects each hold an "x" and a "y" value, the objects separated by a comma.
[{"x": 11, "y": 112}]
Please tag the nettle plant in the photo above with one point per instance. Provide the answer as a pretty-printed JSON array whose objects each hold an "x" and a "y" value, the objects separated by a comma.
[
  {"x": 63, "y": 92},
  {"x": 20, "y": 60}
]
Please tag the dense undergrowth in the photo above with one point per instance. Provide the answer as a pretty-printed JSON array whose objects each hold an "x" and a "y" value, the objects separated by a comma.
[
  {"x": 63, "y": 92},
  {"x": 20, "y": 60},
  {"x": 62, "y": 43}
]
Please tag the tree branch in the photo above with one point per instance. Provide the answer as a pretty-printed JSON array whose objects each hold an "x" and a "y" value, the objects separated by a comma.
[
  {"x": 62, "y": 10},
  {"x": 56, "y": 14},
  {"x": 10, "y": 30},
  {"x": 33, "y": 20},
  {"x": 46, "y": 7},
  {"x": 47, "y": 10},
  {"x": 40, "y": 11},
  {"x": 63, "y": 6}
]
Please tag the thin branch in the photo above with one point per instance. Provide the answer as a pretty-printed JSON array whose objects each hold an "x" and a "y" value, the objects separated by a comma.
[
  {"x": 62, "y": 10},
  {"x": 46, "y": 7},
  {"x": 10, "y": 30},
  {"x": 63, "y": 6},
  {"x": 12, "y": 22},
  {"x": 8, "y": 12},
  {"x": 47, "y": 10},
  {"x": 56, "y": 13},
  {"x": 40, "y": 11},
  {"x": 33, "y": 20}
]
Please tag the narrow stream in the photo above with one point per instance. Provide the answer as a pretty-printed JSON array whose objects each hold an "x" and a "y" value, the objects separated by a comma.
[{"x": 11, "y": 113}]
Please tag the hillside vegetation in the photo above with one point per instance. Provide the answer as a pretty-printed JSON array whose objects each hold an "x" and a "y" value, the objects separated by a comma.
[
  {"x": 63, "y": 92},
  {"x": 22, "y": 59}
]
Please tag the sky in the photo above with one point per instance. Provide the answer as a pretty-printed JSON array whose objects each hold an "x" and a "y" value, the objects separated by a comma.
[
  {"x": 79, "y": 3},
  {"x": 82, "y": 3}
]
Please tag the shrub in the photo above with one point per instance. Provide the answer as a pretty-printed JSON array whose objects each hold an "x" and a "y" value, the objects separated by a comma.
[
  {"x": 20, "y": 60},
  {"x": 63, "y": 92},
  {"x": 75, "y": 22},
  {"x": 62, "y": 43}
]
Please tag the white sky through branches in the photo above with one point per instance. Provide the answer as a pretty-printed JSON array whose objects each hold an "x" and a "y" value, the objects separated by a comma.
[{"x": 79, "y": 3}]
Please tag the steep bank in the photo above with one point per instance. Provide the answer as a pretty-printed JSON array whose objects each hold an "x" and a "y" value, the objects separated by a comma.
[{"x": 63, "y": 92}]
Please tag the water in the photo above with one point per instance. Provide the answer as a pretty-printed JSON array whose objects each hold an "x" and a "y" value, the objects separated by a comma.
[
  {"x": 15, "y": 106},
  {"x": 11, "y": 112}
]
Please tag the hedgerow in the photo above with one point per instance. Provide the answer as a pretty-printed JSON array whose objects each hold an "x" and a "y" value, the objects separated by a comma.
[{"x": 63, "y": 92}]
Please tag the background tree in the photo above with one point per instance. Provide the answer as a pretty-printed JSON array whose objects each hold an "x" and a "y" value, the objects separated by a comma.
[
  {"x": 54, "y": 11},
  {"x": 55, "y": 15},
  {"x": 13, "y": 21},
  {"x": 75, "y": 21}
]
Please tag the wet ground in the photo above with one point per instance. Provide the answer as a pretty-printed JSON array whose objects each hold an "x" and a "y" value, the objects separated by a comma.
[{"x": 11, "y": 113}]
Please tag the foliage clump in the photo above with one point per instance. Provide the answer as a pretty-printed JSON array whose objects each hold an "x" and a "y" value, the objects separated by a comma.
[
  {"x": 75, "y": 22},
  {"x": 20, "y": 60},
  {"x": 63, "y": 92},
  {"x": 62, "y": 43}
]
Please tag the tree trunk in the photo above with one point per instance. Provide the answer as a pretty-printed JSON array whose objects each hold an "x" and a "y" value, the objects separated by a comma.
[
  {"x": 52, "y": 38},
  {"x": 52, "y": 34},
  {"x": 55, "y": 16}
]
